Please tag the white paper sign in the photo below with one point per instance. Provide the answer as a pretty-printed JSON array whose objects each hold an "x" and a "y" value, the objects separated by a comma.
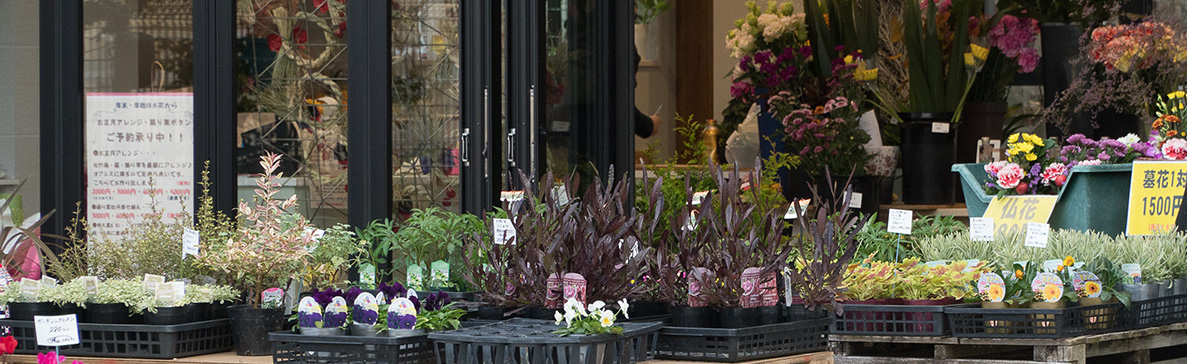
[
  {"x": 1036, "y": 234},
  {"x": 151, "y": 281},
  {"x": 130, "y": 138},
  {"x": 190, "y": 241},
  {"x": 981, "y": 228},
  {"x": 502, "y": 230},
  {"x": 792, "y": 214},
  {"x": 56, "y": 330},
  {"x": 899, "y": 221},
  {"x": 855, "y": 200},
  {"x": 939, "y": 128},
  {"x": 698, "y": 197}
]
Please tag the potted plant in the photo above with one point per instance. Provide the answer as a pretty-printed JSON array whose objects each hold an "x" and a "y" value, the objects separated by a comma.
[
  {"x": 437, "y": 313},
  {"x": 70, "y": 297},
  {"x": 823, "y": 251},
  {"x": 677, "y": 265},
  {"x": 222, "y": 297},
  {"x": 432, "y": 241},
  {"x": 268, "y": 251},
  {"x": 490, "y": 268},
  {"x": 374, "y": 265},
  {"x": 593, "y": 319},
  {"x": 322, "y": 314},
  {"x": 331, "y": 255},
  {"x": 117, "y": 301}
]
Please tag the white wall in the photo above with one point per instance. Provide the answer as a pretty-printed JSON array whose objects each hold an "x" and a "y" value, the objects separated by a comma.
[
  {"x": 19, "y": 98},
  {"x": 725, "y": 12}
]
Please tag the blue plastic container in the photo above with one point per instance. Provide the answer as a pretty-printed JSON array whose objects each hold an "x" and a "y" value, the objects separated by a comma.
[{"x": 1095, "y": 197}]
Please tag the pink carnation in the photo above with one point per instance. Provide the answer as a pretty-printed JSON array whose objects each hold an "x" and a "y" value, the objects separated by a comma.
[
  {"x": 1174, "y": 149},
  {"x": 1010, "y": 175},
  {"x": 993, "y": 168},
  {"x": 1052, "y": 171}
]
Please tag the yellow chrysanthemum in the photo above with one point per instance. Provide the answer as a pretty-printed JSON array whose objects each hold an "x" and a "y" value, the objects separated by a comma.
[
  {"x": 1024, "y": 147},
  {"x": 1069, "y": 261},
  {"x": 1052, "y": 293}
]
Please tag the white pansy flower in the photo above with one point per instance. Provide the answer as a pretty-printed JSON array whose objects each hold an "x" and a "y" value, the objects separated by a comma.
[
  {"x": 574, "y": 306},
  {"x": 624, "y": 306},
  {"x": 607, "y": 319},
  {"x": 559, "y": 317},
  {"x": 597, "y": 305}
]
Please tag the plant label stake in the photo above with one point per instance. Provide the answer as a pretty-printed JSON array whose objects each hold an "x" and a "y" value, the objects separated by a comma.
[
  {"x": 56, "y": 331},
  {"x": 151, "y": 281},
  {"x": 898, "y": 222},
  {"x": 981, "y": 228},
  {"x": 503, "y": 231},
  {"x": 1036, "y": 234},
  {"x": 92, "y": 285},
  {"x": 30, "y": 289},
  {"x": 190, "y": 241}
]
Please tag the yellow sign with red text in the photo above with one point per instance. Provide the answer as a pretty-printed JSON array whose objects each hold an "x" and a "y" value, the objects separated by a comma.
[
  {"x": 1011, "y": 213},
  {"x": 1155, "y": 193}
]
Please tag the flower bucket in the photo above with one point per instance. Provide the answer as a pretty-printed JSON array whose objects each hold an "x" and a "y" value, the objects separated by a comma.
[
  {"x": 1089, "y": 188},
  {"x": 926, "y": 154}
]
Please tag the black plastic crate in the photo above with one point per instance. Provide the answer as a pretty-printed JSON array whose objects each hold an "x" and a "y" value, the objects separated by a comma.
[
  {"x": 1037, "y": 323},
  {"x": 736, "y": 345},
  {"x": 133, "y": 341},
  {"x": 532, "y": 341},
  {"x": 1158, "y": 311},
  {"x": 894, "y": 320},
  {"x": 413, "y": 348}
]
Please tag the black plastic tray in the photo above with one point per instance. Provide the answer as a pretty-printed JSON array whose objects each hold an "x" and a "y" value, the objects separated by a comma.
[
  {"x": 413, "y": 348},
  {"x": 1158, "y": 311},
  {"x": 893, "y": 320},
  {"x": 751, "y": 343},
  {"x": 532, "y": 341},
  {"x": 1037, "y": 323},
  {"x": 133, "y": 341}
]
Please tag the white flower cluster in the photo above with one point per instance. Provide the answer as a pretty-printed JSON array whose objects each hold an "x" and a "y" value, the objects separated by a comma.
[
  {"x": 597, "y": 310},
  {"x": 760, "y": 28}
]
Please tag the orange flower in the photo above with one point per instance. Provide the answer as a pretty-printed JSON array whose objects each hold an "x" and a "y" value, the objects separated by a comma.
[
  {"x": 1059, "y": 268},
  {"x": 1157, "y": 123},
  {"x": 1172, "y": 119},
  {"x": 1172, "y": 133},
  {"x": 1018, "y": 274},
  {"x": 819, "y": 110},
  {"x": 1052, "y": 292},
  {"x": 1092, "y": 287}
]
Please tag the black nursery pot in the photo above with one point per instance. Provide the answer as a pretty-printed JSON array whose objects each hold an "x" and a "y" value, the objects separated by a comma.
[
  {"x": 737, "y": 317},
  {"x": 491, "y": 313},
  {"x": 250, "y": 328},
  {"x": 683, "y": 316},
  {"x": 107, "y": 313},
  {"x": 196, "y": 312},
  {"x": 541, "y": 313},
  {"x": 768, "y": 315},
  {"x": 70, "y": 309},
  {"x": 26, "y": 310},
  {"x": 166, "y": 316},
  {"x": 645, "y": 309},
  {"x": 218, "y": 310}
]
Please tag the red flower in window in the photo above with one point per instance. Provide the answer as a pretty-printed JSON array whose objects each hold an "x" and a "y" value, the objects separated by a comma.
[
  {"x": 321, "y": 6},
  {"x": 274, "y": 42},
  {"x": 300, "y": 36}
]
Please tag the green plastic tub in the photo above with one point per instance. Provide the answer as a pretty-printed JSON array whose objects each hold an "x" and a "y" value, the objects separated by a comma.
[{"x": 1095, "y": 197}]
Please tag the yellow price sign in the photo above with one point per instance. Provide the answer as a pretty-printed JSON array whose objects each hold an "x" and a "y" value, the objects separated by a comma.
[
  {"x": 1155, "y": 193},
  {"x": 1011, "y": 213}
]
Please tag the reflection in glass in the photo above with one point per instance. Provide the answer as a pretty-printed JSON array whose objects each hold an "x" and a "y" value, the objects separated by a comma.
[
  {"x": 292, "y": 99},
  {"x": 425, "y": 106}
]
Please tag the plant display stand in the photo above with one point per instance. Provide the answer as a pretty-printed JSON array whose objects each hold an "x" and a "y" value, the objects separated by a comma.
[
  {"x": 737, "y": 345},
  {"x": 892, "y": 320},
  {"x": 133, "y": 341},
  {"x": 414, "y": 348},
  {"x": 532, "y": 341},
  {"x": 820, "y": 357},
  {"x": 1133, "y": 346}
]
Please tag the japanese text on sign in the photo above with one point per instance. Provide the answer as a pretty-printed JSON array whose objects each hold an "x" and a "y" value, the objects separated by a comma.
[
  {"x": 1155, "y": 193},
  {"x": 1011, "y": 213},
  {"x": 132, "y": 139}
]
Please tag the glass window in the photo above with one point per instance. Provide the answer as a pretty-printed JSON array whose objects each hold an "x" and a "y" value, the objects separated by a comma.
[
  {"x": 425, "y": 106},
  {"x": 19, "y": 116},
  {"x": 292, "y": 100}
]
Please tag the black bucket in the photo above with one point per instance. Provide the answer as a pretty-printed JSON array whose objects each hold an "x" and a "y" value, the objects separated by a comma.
[
  {"x": 927, "y": 159},
  {"x": 250, "y": 328},
  {"x": 166, "y": 316},
  {"x": 26, "y": 310},
  {"x": 107, "y": 313}
]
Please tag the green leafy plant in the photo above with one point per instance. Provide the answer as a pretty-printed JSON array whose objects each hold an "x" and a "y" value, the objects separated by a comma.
[
  {"x": 129, "y": 292},
  {"x": 940, "y": 76},
  {"x": 648, "y": 10},
  {"x": 335, "y": 252},
  {"x": 445, "y": 318},
  {"x": 1110, "y": 277},
  {"x": 870, "y": 280},
  {"x": 380, "y": 235},
  {"x": 433, "y": 234},
  {"x": 922, "y": 282}
]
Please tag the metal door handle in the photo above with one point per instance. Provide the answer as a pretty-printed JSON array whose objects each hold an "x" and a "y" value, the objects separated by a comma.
[
  {"x": 511, "y": 148},
  {"x": 466, "y": 147}
]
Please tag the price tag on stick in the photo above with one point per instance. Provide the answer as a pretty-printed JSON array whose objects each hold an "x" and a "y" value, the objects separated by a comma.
[
  {"x": 502, "y": 230},
  {"x": 190, "y": 241},
  {"x": 981, "y": 228},
  {"x": 1036, "y": 234},
  {"x": 899, "y": 221}
]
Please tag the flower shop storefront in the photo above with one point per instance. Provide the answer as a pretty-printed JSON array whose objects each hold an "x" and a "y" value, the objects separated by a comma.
[{"x": 445, "y": 181}]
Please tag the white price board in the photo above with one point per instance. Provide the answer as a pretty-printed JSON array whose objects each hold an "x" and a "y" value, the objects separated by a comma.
[{"x": 56, "y": 330}]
